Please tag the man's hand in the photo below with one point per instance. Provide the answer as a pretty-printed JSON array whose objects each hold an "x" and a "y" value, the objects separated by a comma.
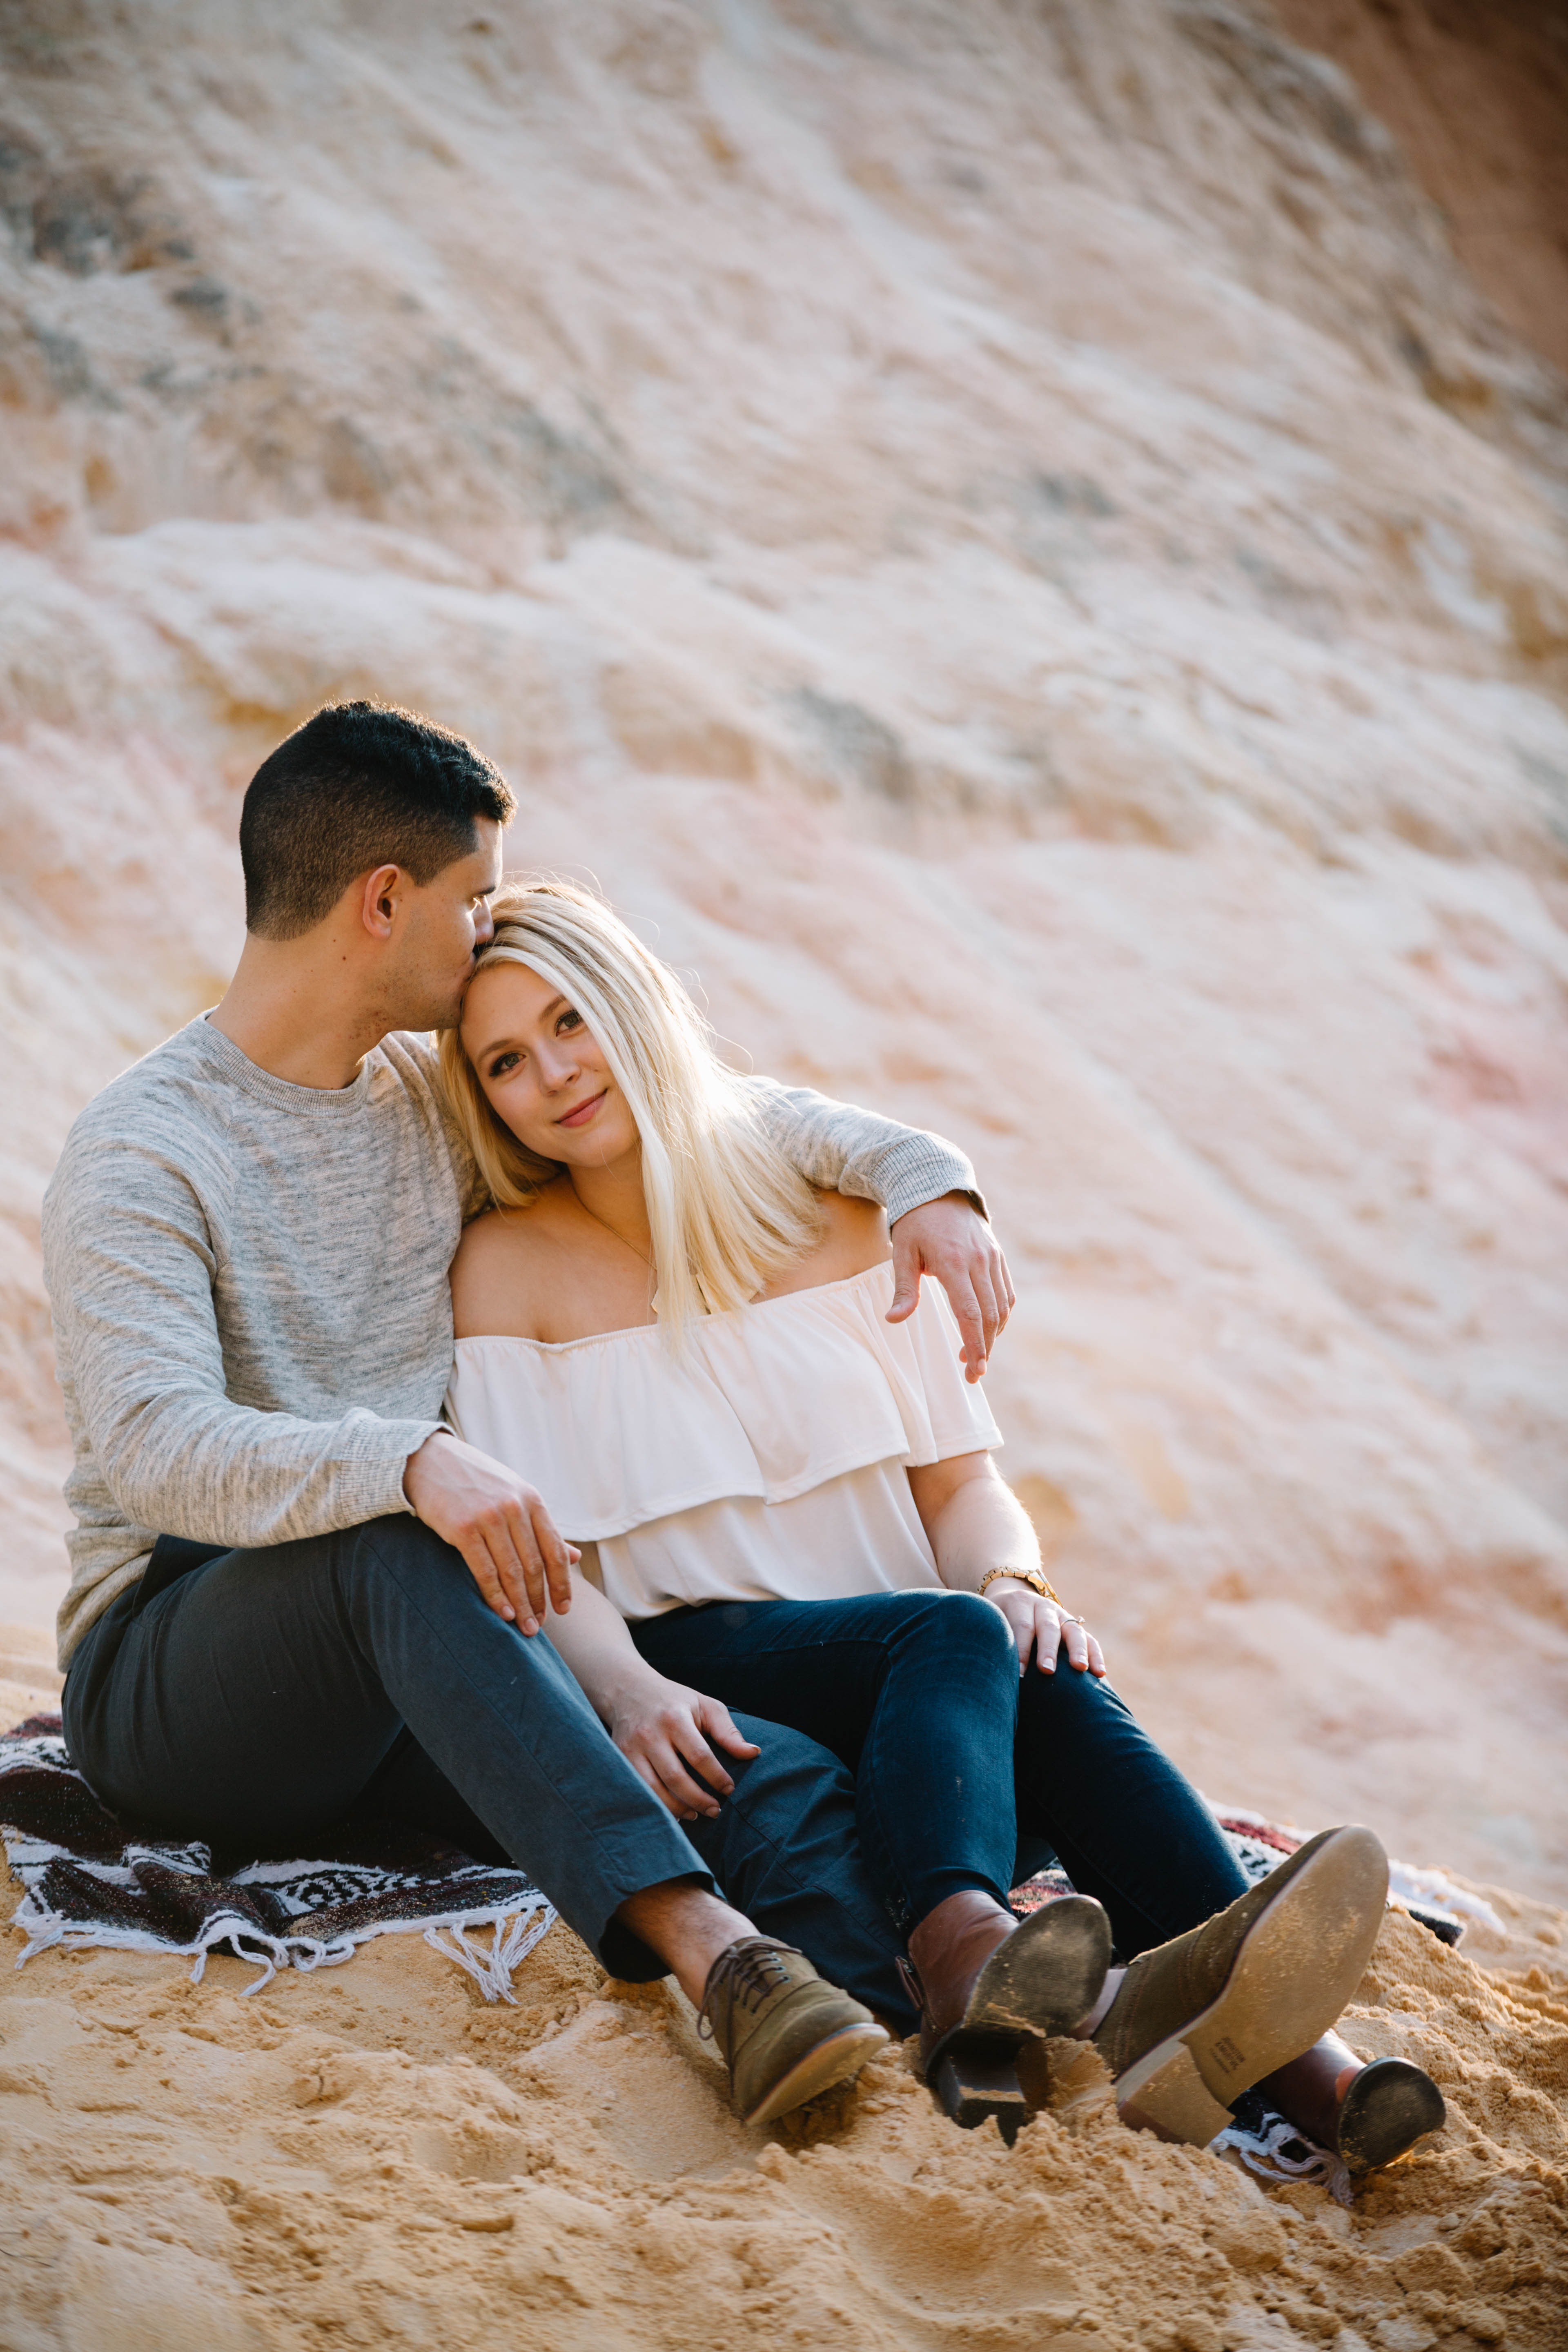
[
  {"x": 660, "y": 1728},
  {"x": 951, "y": 1241},
  {"x": 498, "y": 1522}
]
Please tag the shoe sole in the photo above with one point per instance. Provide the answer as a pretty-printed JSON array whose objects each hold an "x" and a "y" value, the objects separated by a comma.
[
  {"x": 1049, "y": 1974},
  {"x": 1389, "y": 2106},
  {"x": 974, "y": 2079},
  {"x": 1297, "y": 1966},
  {"x": 1044, "y": 1979},
  {"x": 838, "y": 2059}
]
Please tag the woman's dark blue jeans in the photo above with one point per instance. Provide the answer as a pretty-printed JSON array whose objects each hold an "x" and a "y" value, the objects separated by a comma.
[{"x": 966, "y": 1774}]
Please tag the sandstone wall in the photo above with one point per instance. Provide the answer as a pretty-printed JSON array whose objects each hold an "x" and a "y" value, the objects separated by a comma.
[
  {"x": 1008, "y": 539},
  {"x": 1478, "y": 99}
]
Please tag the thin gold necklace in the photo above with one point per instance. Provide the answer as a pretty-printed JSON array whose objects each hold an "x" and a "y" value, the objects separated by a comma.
[{"x": 615, "y": 1236}]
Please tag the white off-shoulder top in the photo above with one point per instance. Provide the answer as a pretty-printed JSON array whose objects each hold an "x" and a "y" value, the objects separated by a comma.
[{"x": 764, "y": 1463}]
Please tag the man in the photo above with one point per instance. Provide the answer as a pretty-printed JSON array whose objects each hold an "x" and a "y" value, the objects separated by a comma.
[{"x": 293, "y": 1593}]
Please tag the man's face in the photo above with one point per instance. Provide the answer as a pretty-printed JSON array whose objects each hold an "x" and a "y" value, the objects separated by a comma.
[{"x": 446, "y": 923}]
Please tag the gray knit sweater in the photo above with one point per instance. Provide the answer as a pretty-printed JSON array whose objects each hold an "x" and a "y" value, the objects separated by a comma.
[{"x": 249, "y": 1282}]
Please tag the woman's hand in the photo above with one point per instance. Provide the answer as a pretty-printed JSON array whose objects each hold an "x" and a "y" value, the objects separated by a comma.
[
  {"x": 1040, "y": 1626},
  {"x": 668, "y": 1734},
  {"x": 975, "y": 1523}
]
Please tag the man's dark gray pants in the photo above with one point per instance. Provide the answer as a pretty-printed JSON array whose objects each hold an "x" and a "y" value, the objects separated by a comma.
[{"x": 253, "y": 1699}]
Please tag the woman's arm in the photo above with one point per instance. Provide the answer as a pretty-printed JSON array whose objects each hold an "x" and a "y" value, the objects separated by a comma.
[
  {"x": 974, "y": 1524},
  {"x": 660, "y": 1727}
]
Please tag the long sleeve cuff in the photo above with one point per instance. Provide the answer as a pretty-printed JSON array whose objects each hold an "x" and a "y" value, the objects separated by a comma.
[
  {"x": 922, "y": 1168},
  {"x": 385, "y": 1478}
]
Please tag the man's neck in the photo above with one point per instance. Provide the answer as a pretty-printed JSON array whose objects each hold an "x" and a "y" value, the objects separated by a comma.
[{"x": 290, "y": 1011}]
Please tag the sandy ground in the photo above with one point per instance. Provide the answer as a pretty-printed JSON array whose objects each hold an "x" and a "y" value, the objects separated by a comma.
[{"x": 371, "y": 2155}]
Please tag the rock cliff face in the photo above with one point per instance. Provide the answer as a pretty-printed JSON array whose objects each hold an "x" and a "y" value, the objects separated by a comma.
[
  {"x": 1478, "y": 99},
  {"x": 1008, "y": 539}
]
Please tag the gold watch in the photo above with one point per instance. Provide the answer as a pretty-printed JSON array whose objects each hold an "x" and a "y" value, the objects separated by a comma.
[{"x": 1029, "y": 1576}]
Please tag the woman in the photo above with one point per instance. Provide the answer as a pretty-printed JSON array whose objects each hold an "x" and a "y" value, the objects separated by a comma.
[{"x": 785, "y": 1504}]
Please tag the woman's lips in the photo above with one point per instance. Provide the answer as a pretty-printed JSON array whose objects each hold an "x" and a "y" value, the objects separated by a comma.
[{"x": 583, "y": 1112}]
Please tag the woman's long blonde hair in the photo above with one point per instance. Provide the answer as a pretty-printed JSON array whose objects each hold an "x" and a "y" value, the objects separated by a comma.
[{"x": 726, "y": 1209}]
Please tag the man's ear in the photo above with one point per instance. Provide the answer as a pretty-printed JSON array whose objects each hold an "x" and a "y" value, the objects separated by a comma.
[{"x": 379, "y": 898}]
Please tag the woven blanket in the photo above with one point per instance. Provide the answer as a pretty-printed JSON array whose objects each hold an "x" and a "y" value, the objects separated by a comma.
[{"x": 88, "y": 1879}]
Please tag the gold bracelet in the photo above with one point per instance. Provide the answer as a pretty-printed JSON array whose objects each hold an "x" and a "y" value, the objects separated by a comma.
[{"x": 1030, "y": 1575}]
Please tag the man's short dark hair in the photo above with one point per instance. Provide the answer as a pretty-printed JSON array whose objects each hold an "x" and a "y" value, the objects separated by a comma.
[{"x": 361, "y": 785}]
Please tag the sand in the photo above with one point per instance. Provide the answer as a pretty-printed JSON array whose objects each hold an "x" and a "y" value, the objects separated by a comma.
[{"x": 371, "y": 2155}]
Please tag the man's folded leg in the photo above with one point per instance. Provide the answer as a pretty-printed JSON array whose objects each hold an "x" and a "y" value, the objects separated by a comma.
[
  {"x": 785, "y": 1849},
  {"x": 257, "y": 1698}
]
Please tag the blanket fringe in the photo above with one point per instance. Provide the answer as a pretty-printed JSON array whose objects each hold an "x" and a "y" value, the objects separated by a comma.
[
  {"x": 46, "y": 1929},
  {"x": 352, "y": 1889},
  {"x": 517, "y": 1929},
  {"x": 1263, "y": 2153},
  {"x": 516, "y": 1932}
]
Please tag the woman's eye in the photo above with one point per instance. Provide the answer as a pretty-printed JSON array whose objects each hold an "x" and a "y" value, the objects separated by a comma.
[
  {"x": 503, "y": 1064},
  {"x": 569, "y": 1021}
]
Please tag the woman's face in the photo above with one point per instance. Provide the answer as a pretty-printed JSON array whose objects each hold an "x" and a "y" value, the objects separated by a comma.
[{"x": 542, "y": 1071}]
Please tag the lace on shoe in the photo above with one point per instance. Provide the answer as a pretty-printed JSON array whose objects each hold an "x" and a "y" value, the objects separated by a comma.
[{"x": 748, "y": 1970}]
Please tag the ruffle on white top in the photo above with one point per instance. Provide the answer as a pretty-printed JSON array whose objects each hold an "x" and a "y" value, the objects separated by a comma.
[{"x": 632, "y": 1446}]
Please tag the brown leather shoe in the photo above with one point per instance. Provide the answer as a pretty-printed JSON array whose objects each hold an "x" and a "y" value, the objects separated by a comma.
[
  {"x": 948, "y": 1950},
  {"x": 1386, "y": 2107},
  {"x": 984, "y": 1983},
  {"x": 1199, "y": 2020}
]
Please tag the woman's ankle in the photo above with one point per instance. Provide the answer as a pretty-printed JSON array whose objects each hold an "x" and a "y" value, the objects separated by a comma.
[
  {"x": 1102, "y": 2010},
  {"x": 957, "y": 1912}
]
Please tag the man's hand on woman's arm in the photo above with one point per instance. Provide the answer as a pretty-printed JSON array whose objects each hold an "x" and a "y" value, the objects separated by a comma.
[
  {"x": 928, "y": 1189},
  {"x": 498, "y": 1522},
  {"x": 951, "y": 1241},
  {"x": 669, "y": 1735}
]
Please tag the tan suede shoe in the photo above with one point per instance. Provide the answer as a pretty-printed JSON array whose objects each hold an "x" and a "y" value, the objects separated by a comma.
[
  {"x": 1199, "y": 2020},
  {"x": 782, "y": 2030}
]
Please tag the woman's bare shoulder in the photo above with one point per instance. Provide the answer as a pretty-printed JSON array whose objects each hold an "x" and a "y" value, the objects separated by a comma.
[
  {"x": 854, "y": 1238},
  {"x": 856, "y": 1229},
  {"x": 500, "y": 1272}
]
